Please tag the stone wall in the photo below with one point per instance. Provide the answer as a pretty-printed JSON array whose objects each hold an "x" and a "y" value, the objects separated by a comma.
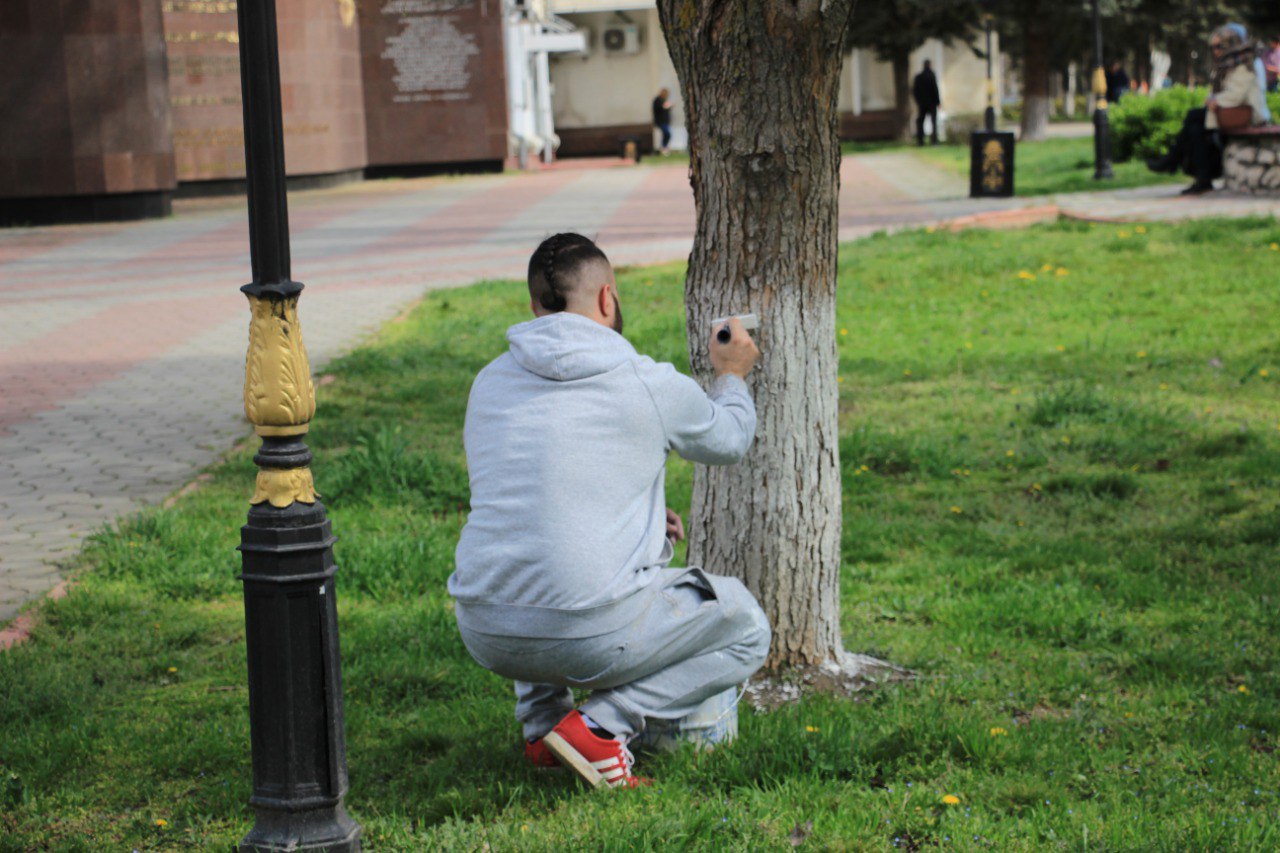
[
  {"x": 84, "y": 115},
  {"x": 1251, "y": 162},
  {"x": 321, "y": 98}
]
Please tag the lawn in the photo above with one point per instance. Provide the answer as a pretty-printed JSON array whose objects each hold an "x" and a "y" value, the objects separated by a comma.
[
  {"x": 1054, "y": 166},
  {"x": 1061, "y": 453}
]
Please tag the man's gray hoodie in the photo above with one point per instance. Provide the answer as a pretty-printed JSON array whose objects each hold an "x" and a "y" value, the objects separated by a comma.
[{"x": 567, "y": 436}]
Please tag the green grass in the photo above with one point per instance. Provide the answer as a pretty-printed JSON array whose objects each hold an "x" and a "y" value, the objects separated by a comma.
[
  {"x": 1054, "y": 166},
  {"x": 1060, "y": 505}
]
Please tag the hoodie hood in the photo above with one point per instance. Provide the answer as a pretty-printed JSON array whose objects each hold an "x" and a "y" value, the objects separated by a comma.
[{"x": 565, "y": 346}]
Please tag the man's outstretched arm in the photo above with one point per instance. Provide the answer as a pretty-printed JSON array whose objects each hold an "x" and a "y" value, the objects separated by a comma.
[{"x": 713, "y": 428}]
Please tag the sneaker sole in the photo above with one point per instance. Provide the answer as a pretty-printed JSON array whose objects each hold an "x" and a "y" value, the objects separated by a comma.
[{"x": 575, "y": 760}]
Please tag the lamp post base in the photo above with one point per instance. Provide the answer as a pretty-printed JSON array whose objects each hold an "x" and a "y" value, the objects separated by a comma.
[
  {"x": 1102, "y": 146},
  {"x": 328, "y": 829}
]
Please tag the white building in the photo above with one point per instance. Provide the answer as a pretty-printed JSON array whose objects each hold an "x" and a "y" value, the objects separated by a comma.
[{"x": 602, "y": 95}]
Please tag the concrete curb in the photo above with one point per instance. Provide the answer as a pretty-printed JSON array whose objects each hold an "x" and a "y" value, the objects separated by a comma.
[
  {"x": 1019, "y": 217},
  {"x": 19, "y": 630}
]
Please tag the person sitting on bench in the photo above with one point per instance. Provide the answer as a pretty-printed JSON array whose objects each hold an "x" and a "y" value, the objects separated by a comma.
[{"x": 1236, "y": 89}]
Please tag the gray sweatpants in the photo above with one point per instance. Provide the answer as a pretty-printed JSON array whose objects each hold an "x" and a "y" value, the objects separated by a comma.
[{"x": 698, "y": 635}]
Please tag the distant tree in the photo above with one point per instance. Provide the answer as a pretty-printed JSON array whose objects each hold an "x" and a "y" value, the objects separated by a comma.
[{"x": 893, "y": 29}]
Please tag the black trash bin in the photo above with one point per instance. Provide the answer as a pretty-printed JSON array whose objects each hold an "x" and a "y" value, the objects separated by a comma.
[{"x": 990, "y": 164}]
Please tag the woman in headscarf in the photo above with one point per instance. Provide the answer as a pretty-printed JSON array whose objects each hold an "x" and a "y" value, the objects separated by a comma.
[{"x": 1235, "y": 83}]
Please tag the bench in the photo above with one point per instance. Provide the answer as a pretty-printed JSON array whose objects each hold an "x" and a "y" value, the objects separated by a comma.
[{"x": 1251, "y": 160}]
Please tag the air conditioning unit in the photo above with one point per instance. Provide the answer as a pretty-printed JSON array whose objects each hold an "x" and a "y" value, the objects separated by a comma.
[{"x": 624, "y": 38}]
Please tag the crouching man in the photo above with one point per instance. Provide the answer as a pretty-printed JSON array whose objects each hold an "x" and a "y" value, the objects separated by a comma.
[{"x": 562, "y": 576}]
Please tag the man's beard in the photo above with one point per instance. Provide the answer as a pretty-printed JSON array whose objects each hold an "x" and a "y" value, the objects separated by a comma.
[{"x": 617, "y": 315}]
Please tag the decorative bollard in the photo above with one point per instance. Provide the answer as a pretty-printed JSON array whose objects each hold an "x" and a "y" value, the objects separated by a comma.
[{"x": 715, "y": 722}]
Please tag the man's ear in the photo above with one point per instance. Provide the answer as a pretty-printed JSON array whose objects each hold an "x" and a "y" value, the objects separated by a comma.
[{"x": 604, "y": 302}]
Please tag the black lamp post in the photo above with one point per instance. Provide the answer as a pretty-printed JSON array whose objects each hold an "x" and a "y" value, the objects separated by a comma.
[
  {"x": 989, "y": 117},
  {"x": 291, "y": 626},
  {"x": 1101, "y": 123}
]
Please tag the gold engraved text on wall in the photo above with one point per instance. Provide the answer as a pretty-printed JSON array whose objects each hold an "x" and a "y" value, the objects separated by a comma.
[
  {"x": 992, "y": 165},
  {"x": 194, "y": 37},
  {"x": 203, "y": 7},
  {"x": 279, "y": 397}
]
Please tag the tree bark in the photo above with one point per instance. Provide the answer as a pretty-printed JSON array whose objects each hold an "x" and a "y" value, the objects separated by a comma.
[
  {"x": 760, "y": 81},
  {"x": 902, "y": 93},
  {"x": 1036, "y": 102}
]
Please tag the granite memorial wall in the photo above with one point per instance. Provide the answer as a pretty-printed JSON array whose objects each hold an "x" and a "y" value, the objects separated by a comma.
[
  {"x": 86, "y": 126},
  {"x": 434, "y": 81},
  {"x": 320, "y": 90}
]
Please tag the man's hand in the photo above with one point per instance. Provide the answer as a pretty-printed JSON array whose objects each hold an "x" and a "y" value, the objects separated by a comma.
[
  {"x": 675, "y": 527},
  {"x": 738, "y": 355}
]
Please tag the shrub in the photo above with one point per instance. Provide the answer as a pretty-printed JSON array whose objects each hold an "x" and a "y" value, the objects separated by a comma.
[{"x": 1146, "y": 126}]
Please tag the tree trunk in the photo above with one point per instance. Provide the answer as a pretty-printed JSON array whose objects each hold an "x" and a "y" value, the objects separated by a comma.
[
  {"x": 1036, "y": 102},
  {"x": 760, "y": 83},
  {"x": 902, "y": 93}
]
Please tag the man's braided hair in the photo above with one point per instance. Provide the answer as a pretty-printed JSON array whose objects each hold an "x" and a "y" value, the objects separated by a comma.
[{"x": 553, "y": 265}]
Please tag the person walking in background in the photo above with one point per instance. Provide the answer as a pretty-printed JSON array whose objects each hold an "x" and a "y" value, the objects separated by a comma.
[
  {"x": 1117, "y": 82},
  {"x": 662, "y": 118},
  {"x": 924, "y": 89},
  {"x": 1271, "y": 62}
]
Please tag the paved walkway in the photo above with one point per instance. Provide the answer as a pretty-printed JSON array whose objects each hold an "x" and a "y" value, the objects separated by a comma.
[{"x": 122, "y": 345}]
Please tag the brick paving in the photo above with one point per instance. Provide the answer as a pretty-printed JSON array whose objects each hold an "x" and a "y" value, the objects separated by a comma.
[{"x": 122, "y": 345}]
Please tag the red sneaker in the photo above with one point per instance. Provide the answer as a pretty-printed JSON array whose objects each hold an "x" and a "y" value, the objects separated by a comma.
[
  {"x": 539, "y": 756},
  {"x": 602, "y": 762}
]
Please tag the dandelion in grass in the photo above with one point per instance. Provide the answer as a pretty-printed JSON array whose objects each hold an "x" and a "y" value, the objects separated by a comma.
[
  {"x": 1026, "y": 275},
  {"x": 1061, "y": 271},
  {"x": 1046, "y": 268},
  {"x": 1142, "y": 353},
  {"x": 957, "y": 510},
  {"x": 997, "y": 731},
  {"x": 1164, "y": 386},
  {"x": 839, "y": 380},
  {"x": 1141, "y": 229},
  {"x": 810, "y": 729},
  {"x": 969, "y": 345},
  {"x": 1035, "y": 487},
  {"x": 1243, "y": 688},
  {"x": 173, "y": 669},
  {"x": 951, "y": 800},
  {"x": 1264, "y": 373},
  {"x": 1275, "y": 247},
  {"x": 161, "y": 822},
  {"x": 906, "y": 372},
  {"x": 1061, "y": 348},
  {"x": 984, "y": 294},
  {"x": 1123, "y": 235},
  {"x": 1066, "y": 439},
  {"x": 844, "y": 332}
]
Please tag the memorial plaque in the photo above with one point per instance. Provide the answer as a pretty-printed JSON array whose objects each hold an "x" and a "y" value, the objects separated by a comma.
[
  {"x": 321, "y": 96},
  {"x": 434, "y": 81},
  {"x": 85, "y": 130}
]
